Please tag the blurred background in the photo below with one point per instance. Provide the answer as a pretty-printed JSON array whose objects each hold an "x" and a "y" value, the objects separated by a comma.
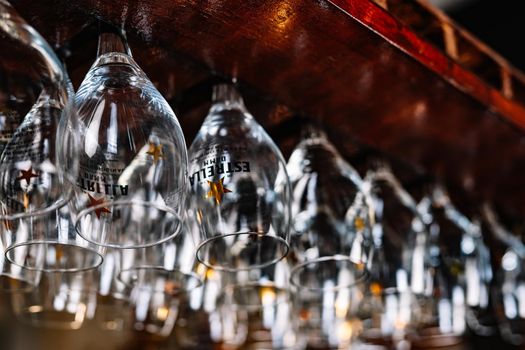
[{"x": 498, "y": 23}]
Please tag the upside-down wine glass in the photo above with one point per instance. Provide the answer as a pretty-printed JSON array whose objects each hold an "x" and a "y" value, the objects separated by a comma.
[
  {"x": 326, "y": 294},
  {"x": 27, "y": 64},
  {"x": 239, "y": 188},
  {"x": 467, "y": 256},
  {"x": 509, "y": 294},
  {"x": 260, "y": 301},
  {"x": 411, "y": 300},
  {"x": 36, "y": 179},
  {"x": 133, "y": 159},
  {"x": 331, "y": 213},
  {"x": 158, "y": 278}
]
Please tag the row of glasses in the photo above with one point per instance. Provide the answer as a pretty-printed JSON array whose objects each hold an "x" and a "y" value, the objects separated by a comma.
[
  {"x": 104, "y": 170},
  {"x": 122, "y": 176},
  {"x": 304, "y": 254},
  {"x": 338, "y": 220},
  {"x": 442, "y": 266}
]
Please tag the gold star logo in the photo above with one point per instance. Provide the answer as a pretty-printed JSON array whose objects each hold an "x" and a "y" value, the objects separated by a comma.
[
  {"x": 93, "y": 202},
  {"x": 155, "y": 151},
  {"x": 217, "y": 190},
  {"x": 359, "y": 224},
  {"x": 27, "y": 175},
  {"x": 376, "y": 289}
]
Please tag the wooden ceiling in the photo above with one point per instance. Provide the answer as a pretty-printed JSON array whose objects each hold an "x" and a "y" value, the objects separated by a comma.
[{"x": 394, "y": 77}]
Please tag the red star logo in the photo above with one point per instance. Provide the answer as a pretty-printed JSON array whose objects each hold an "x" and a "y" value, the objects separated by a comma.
[
  {"x": 27, "y": 175},
  {"x": 93, "y": 202}
]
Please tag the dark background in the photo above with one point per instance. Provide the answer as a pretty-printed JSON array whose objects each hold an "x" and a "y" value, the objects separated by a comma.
[{"x": 499, "y": 23}]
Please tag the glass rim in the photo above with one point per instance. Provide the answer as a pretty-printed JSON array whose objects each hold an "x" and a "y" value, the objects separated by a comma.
[
  {"x": 60, "y": 203},
  {"x": 224, "y": 268},
  {"x": 99, "y": 257},
  {"x": 30, "y": 286},
  {"x": 361, "y": 278},
  {"x": 190, "y": 275},
  {"x": 163, "y": 207}
]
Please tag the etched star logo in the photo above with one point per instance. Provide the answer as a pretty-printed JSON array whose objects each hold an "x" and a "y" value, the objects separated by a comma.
[
  {"x": 93, "y": 202},
  {"x": 155, "y": 151},
  {"x": 27, "y": 175},
  {"x": 217, "y": 190}
]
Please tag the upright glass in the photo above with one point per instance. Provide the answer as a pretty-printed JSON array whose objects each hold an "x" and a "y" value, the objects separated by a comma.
[
  {"x": 326, "y": 295},
  {"x": 63, "y": 300},
  {"x": 157, "y": 279}
]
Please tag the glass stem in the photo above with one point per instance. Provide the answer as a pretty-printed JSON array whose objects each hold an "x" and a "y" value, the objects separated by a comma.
[
  {"x": 227, "y": 95},
  {"x": 111, "y": 40}
]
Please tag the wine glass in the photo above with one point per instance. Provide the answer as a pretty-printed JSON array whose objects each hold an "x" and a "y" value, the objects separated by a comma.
[
  {"x": 409, "y": 267},
  {"x": 239, "y": 188},
  {"x": 468, "y": 258},
  {"x": 36, "y": 180},
  {"x": 260, "y": 299},
  {"x": 400, "y": 235},
  {"x": 48, "y": 242},
  {"x": 204, "y": 320},
  {"x": 413, "y": 256},
  {"x": 157, "y": 279},
  {"x": 37, "y": 107},
  {"x": 63, "y": 300},
  {"x": 327, "y": 293},
  {"x": 29, "y": 66},
  {"x": 510, "y": 277},
  {"x": 330, "y": 207},
  {"x": 133, "y": 159}
]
